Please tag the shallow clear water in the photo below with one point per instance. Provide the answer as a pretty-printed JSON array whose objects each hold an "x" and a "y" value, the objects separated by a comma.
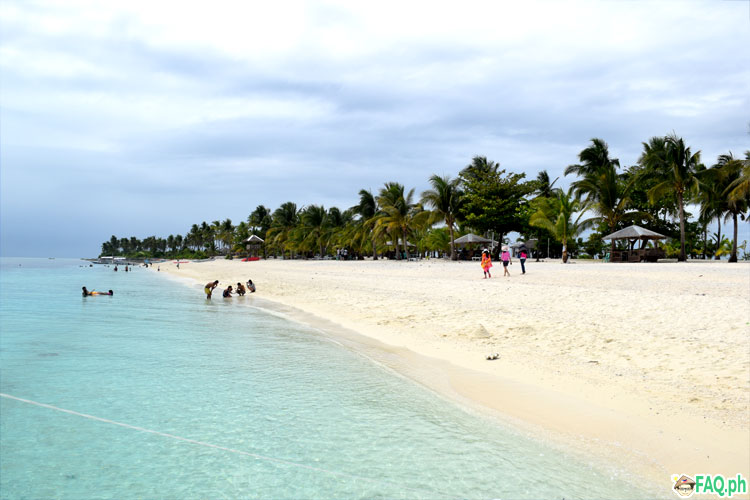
[{"x": 296, "y": 415}]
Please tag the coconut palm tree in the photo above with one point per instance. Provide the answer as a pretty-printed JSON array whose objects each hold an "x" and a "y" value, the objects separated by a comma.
[
  {"x": 729, "y": 179},
  {"x": 226, "y": 234},
  {"x": 314, "y": 228},
  {"x": 445, "y": 200},
  {"x": 194, "y": 237},
  {"x": 740, "y": 188},
  {"x": 260, "y": 221},
  {"x": 438, "y": 239},
  {"x": 284, "y": 220},
  {"x": 367, "y": 209},
  {"x": 561, "y": 216},
  {"x": 479, "y": 167},
  {"x": 608, "y": 195},
  {"x": 712, "y": 204},
  {"x": 216, "y": 235},
  {"x": 593, "y": 159},
  {"x": 676, "y": 165},
  {"x": 545, "y": 188},
  {"x": 400, "y": 214}
]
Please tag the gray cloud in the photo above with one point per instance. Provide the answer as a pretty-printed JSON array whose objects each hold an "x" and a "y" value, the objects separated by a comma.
[{"x": 163, "y": 131}]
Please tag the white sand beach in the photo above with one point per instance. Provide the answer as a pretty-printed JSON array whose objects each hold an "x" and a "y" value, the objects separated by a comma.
[{"x": 647, "y": 365}]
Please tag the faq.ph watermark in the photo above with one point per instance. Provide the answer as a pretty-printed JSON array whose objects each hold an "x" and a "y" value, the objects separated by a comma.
[{"x": 707, "y": 484}]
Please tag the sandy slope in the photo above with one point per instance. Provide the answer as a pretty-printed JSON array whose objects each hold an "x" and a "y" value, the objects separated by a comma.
[{"x": 647, "y": 363}]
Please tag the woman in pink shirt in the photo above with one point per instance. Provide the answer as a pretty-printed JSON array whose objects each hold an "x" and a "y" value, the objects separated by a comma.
[{"x": 505, "y": 257}]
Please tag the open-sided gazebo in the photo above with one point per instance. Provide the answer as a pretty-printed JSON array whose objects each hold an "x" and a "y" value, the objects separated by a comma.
[
  {"x": 253, "y": 244},
  {"x": 473, "y": 242},
  {"x": 634, "y": 234},
  {"x": 470, "y": 238}
]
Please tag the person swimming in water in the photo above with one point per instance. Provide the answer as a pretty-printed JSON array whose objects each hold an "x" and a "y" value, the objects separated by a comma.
[{"x": 86, "y": 293}]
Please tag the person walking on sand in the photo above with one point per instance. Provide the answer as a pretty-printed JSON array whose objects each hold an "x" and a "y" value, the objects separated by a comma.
[
  {"x": 486, "y": 263},
  {"x": 210, "y": 288},
  {"x": 522, "y": 258},
  {"x": 505, "y": 257}
]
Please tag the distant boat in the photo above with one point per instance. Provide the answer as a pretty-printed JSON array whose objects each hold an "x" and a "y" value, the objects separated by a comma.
[{"x": 51, "y": 258}]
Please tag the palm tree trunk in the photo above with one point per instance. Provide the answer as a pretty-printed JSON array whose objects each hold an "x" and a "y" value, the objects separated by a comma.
[
  {"x": 718, "y": 241},
  {"x": 733, "y": 257},
  {"x": 406, "y": 245},
  {"x": 453, "y": 244},
  {"x": 374, "y": 250},
  {"x": 682, "y": 258},
  {"x": 538, "y": 245}
]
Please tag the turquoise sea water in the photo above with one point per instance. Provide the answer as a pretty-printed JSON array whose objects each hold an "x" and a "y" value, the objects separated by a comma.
[{"x": 273, "y": 409}]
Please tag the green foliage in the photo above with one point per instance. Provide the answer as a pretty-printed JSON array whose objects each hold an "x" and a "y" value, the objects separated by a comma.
[
  {"x": 493, "y": 199},
  {"x": 438, "y": 239},
  {"x": 400, "y": 215},
  {"x": 607, "y": 192},
  {"x": 675, "y": 165},
  {"x": 594, "y": 245},
  {"x": 484, "y": 198},
  {"x": 445, "y": 198},
  {"x": 561, "y": 216}
]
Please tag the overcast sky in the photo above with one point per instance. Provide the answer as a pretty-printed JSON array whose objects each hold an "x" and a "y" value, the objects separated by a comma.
[{"x": 141, "y": 118}]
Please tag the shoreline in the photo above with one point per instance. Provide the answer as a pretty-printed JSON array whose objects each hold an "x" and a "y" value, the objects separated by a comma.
[{"x": 397, "y": 312}]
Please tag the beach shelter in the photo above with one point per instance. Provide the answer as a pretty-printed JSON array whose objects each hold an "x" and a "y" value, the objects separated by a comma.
[
  {"x": 634, "y": 234},
  {"x": 254, "y": 239},
  {"x": 401, "y": 243},
  {"x": 470, "y": 238},
  {"x": 252, "y": 244}
]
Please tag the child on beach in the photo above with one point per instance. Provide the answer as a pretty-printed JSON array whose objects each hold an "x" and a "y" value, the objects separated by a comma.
[
  {"x": 210, "y": 288},
  {"x": 486, "y": 263},
  {"x": 227, "y": 293},
  {"x": 250, "y": 286},
  {"x": 505, "y": 257},
  {"x": 240, "y": 289}
]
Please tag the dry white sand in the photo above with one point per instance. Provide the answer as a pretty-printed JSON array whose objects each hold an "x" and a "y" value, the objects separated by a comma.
[{"x": 647, "y": 365}]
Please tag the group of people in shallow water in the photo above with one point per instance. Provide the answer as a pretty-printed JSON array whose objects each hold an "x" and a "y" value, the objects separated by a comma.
[
  {"x": 506, "y": 259},
  {"x": 228, "y": 291}
]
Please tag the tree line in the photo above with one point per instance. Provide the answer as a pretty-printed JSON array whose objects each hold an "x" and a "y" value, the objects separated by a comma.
[{"x": 490, "y": 201}]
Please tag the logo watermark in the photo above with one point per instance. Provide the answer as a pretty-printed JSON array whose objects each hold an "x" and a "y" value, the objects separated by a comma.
[{"x": 709, "y": 484}]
